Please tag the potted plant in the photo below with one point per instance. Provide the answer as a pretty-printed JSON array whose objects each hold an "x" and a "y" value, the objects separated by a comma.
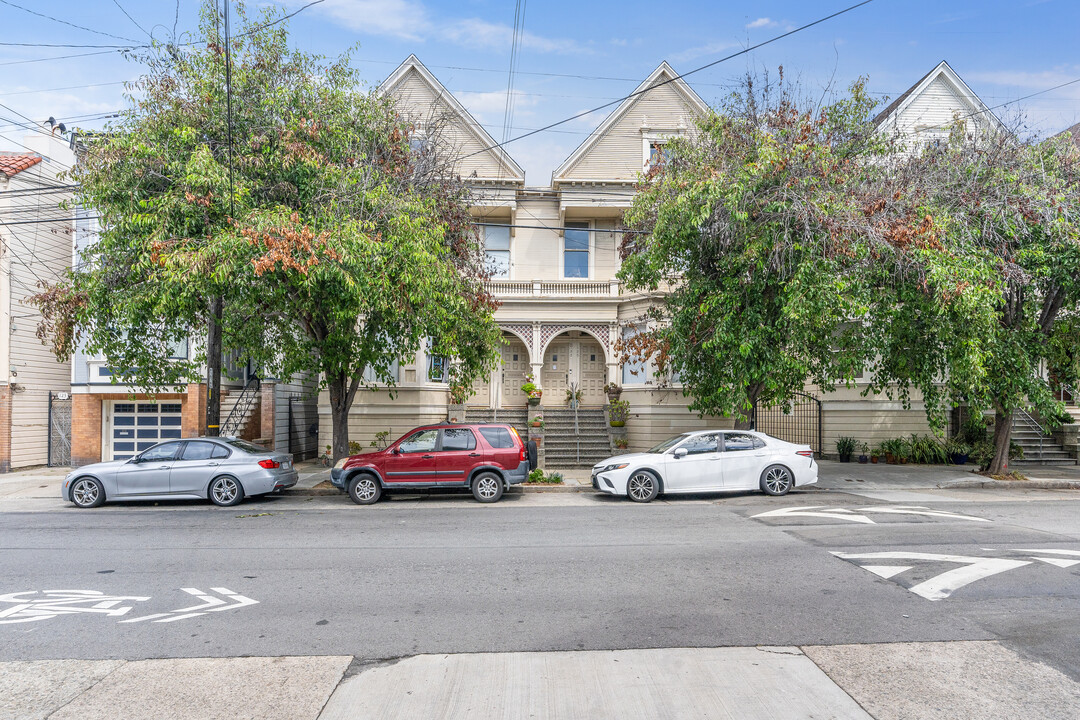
[
  {"x": 613, "y": 391},
  {"x": 845, "y": 446},
  {"x": 889, "y": 448},
  {"x": 863, "y": 449},
  {"x": 958, "y": 451},
  {"x": 875, "y": 453},
  {"x": 531, "y": 391},
  {"x": 903, "y": 451},
  {"x": 621, "y": 443},
  {"x": 618, "y": 413},
  {"x": 538, "y": 422},
  {"x": 572, "y": 395}
]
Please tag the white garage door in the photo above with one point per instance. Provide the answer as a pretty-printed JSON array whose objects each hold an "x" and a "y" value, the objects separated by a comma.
[{"x": 136, "y": 426}]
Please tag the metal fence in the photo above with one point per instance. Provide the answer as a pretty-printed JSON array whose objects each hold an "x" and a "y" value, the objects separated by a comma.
[
  {"x": 798, "y": 423},
  {"x": 59, "y": 429},
  {"x": 303, "y": 429}
]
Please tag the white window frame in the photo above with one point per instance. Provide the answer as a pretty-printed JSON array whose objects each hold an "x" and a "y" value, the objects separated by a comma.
[
  {"x": 509, "y": 249},
  {"x": 645, "y": 376},
  {"x": 650, "y": 138},
  {"x": 590, "y": 228}
]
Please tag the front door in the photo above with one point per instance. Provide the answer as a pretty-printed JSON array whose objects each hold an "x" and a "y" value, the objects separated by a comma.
[
  {"x": 515, "y": 366},
  {"x": 457, "y": 455},
  {"x": 148, "y": 474},
  {"x": 414, "y": 461},
  {"x": 556, "y": 372},
  {"x": 699, "y": 469}
]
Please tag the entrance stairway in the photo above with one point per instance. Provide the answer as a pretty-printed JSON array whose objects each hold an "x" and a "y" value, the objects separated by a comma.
[
  {"x": 518, "y": 418},
  {"x": 1040, "y": 447},
  {"x": 562, "y": 446}
]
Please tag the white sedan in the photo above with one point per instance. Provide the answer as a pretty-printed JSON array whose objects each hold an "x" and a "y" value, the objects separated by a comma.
[{"x": 706, "y": 461}]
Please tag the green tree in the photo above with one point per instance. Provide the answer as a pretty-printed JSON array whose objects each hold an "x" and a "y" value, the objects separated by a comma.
[
  {"x": 750, "y": 230},
  {"x": 335, "y": 240}
]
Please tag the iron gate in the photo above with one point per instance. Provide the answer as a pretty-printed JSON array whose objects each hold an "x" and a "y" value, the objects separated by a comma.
[
  {"x": 59, "y": 429},
  {"x": 303, "y": 429},
  {"x": 800, "y": 422}
]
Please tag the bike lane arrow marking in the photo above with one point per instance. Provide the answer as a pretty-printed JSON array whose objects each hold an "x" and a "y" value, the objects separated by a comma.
[
  {"x": 814, "y": 511},
  {"x": 942, "y": 586}
]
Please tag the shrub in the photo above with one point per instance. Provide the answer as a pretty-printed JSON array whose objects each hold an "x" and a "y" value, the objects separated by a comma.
[
  {"x": 536, "y": 476},
  {"x": 528, "y": 388},
  {"x": 845, "y": 445},
  {"x": 619, "y": 412}
]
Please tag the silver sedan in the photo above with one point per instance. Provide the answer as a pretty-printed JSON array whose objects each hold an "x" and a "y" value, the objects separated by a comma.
[{"x": 222, "y": 470}]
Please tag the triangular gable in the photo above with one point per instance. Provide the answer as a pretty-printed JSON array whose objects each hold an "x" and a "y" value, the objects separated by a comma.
[
  {"x": 669, "y": 105},
  {"x": 932, "y": 103},
  {"x": 481, "y": 159}
]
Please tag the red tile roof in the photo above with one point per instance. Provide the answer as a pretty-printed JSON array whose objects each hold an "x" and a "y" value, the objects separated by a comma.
[{"x": 12, "y": 164}]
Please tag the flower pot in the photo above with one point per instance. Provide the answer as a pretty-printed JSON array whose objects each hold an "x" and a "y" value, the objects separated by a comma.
[
  {"x": 863, "y": 459},
  {"x": 958, "y": 459},
  {"x": 845, "y": 458},
  {"x": 903, "y": 461},
  {"x": 534, "y": 400},
  {"x": 874, "y": 459},
  {"x": 618, "y": 423},
  {"x": 536, "y": 425},
  {"x": 890, "y": 458}
]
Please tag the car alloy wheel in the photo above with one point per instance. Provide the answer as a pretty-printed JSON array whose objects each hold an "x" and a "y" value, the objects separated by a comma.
[
  {"x": 642, "y": 487},
  {"x": 776, "y": 480},
  {"x": 87, "y": 493},
  {"x": 364, "y": 490},
  {"x": 226, "y": 492},
  {"x": 487, "y": 488}
]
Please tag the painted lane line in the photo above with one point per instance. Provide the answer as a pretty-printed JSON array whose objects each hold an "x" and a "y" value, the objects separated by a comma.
[
  {"x": 813, "y": 511},
  {"x": 886, "y": 571},
  {"x": 1057, "y": 562},
  {"x": 942, "y": 586},
  {"x": 921, "y": 510},
  {"x": 1048, "y": 551}
]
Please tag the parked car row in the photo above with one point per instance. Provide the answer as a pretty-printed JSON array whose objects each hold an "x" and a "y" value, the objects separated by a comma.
[{"x": 485, "y": 459}]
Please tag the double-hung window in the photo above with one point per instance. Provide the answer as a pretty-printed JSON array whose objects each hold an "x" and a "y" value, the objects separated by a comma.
[
  {"x": 497, "y": 250},
  {"x": 576, "y": 250}
]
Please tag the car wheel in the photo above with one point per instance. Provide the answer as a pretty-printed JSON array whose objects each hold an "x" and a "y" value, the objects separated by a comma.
[
  {"x": 776, "y": 480},
  {"x": 87, "y": 492},
  {"x": 642, "y": 486},
  {"x": 530, "y": 454},
  {"x": 365, "y": 489},
  {"x": 487, "y": 487},
  {"x": 226, "y": 491}
]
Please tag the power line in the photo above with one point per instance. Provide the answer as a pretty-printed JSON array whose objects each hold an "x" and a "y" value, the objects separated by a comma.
[
  {"x": 134, "y": 22},
  {"x": 677, "y": 77},
  {"x": 64, "y": 22},
  {"x": 69, "y": 87},
  {"x": 60, "y": 57}
]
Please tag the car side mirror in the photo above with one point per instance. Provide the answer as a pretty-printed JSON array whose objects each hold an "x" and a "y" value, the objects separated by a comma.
[
  {"x": 396, "y": 451},
  {"x": 680, "y": 453}
]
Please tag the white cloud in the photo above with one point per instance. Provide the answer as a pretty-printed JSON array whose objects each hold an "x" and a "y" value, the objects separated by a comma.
[
  {"x": 488, "y": 107},
  {"x": 762, "y": 22},
  {"x": 703, "y": 51},
  {"x": 411, "y": 20}
]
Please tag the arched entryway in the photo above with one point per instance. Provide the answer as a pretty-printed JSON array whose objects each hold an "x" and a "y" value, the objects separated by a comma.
[
  {"x": 574, "y": 357},
  {"x": 503, "y": 387}
]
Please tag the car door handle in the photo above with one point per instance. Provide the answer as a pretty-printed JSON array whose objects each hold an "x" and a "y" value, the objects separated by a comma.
[
  {"x": 760, "y": 454},
  {"x": 212, "y": 464},
  {"x": 474, "y": 454},
  {"x": 427, "y": 457}
]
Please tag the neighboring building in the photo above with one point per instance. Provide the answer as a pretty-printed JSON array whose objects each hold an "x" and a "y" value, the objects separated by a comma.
[
  {"x": 35, "y": 247},
  {"x": 555, "y": 254}
]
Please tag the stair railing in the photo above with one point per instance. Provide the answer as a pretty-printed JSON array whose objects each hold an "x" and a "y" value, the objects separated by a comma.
[
  {"x": 1032, "y": 424},
  {"x": 248, "y": 397},
  {"x": 1064, "y": 389}
]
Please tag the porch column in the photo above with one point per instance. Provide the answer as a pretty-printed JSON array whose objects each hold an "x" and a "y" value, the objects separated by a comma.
[{"x": 612, "y": 360}]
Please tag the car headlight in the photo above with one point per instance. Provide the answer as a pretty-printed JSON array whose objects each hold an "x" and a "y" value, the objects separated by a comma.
[
  {"x": 341, "y": 463},
  {"x": 618, "y": 466}
]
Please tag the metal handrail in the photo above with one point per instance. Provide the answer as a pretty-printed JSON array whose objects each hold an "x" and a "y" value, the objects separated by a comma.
[
  {"x": 1074, "y": 396},
  {"x": 1032, "y": 424},
  {"x": 248, "y": 396}
]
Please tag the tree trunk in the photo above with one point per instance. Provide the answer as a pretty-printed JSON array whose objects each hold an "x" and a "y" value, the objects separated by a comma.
[
  {"x": 1002, "y": 439},
  {"x": 339, "y": 416},
  {"x": 744, "y": 421},
  {"x": 213, "y": 368}
]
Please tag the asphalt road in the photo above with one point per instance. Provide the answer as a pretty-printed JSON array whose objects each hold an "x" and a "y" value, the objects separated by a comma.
[{"x": 540, "y": 572}]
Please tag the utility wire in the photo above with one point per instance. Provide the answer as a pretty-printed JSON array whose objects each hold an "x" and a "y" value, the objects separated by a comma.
[
  {"x": 65, "y": 22},
  {"x": 671, "y": 80},
  {"x": 133, "y": 21}
]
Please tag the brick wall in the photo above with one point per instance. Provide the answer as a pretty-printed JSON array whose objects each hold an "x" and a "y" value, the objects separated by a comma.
[
  {"x": 5, "y": 428},
  {"x": 267, "y": 412},
  {"x": 85, "y": 429},
  {"x": 194, "y": 420}
]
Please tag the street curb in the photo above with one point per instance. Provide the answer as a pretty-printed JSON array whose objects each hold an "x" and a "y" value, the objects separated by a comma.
[
  {"x": 324, "y": 492},
  {"x": 1013, "y": 484}
]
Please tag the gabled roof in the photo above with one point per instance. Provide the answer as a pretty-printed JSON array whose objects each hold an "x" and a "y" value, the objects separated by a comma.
[
  {"x": 943, "y": 70},
  {"x": 412, "y": 63},
  {"x": 1075, "y": 130},
  {"x": 11, "y": 164},
  {"x": 664, "y": 73}
]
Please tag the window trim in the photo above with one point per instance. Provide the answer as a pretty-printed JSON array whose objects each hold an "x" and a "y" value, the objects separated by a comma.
[
  {"x": 590, "y": 228},
  {"x": 509, "y": 248}
]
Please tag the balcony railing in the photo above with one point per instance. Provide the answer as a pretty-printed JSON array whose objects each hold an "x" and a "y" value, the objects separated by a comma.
[{"x": 560, "y": 289}]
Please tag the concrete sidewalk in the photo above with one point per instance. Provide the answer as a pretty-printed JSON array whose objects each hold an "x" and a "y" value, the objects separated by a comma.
[
  {"x": 834, "y": 475},
  {"x": 932, "y": 680}
]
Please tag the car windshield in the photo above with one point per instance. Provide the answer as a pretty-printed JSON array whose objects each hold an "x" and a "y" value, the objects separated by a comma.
[
  {"x": 246, "y": 446},
  {"x": 668, "y": 444}
]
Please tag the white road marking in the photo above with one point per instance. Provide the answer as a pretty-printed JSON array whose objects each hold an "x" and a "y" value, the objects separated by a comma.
[
  {"x": 53, "y": 603},
  {"x": 209, "y": 604},
  {"x": 921, "y": 510},
  {"x": 886, "y": 571},
  {"x": 1048, "y": 551},
  {"x": 942, "y": 586},
  {"x": 812, "y": 511},
  {"x": 1059, "y": 562}
]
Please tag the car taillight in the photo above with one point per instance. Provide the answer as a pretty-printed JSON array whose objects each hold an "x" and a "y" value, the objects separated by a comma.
[
  {"x": 805, "y": 453},
  {"x": 269, "y": 464},
  {"x": 524, "y": 454}
]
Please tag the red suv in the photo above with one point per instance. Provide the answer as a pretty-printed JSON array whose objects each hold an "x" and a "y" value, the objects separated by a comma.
[{"x": 485, "y": 458}]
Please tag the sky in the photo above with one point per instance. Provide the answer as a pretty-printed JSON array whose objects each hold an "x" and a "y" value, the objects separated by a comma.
[{"x": 573, "y": 56}]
